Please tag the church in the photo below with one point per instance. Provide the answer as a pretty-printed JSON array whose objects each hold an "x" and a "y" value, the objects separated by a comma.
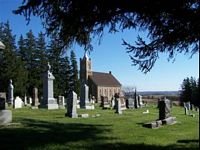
[{"x": 100, "y": 83}]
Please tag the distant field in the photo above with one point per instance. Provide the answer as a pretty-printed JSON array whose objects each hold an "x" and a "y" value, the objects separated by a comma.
[{"x": 45, "y": 129}]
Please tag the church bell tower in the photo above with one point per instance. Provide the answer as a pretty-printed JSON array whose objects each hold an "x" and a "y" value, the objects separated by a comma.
[{"x": 85, "y": 68}]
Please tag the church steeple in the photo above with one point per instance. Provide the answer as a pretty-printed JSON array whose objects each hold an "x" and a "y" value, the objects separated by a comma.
[{"x": 85, "y": 68}]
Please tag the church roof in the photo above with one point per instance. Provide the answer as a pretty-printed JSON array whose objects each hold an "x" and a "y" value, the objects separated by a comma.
[{"x": 104, "y": 79}]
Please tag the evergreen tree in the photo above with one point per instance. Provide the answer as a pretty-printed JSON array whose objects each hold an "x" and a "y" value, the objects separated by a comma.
[
  {"x": 40, "y": 59},
  {"x": 21, "y": 55},
  {"x": 21, "y": 78},
  {"x": 74, "y": 81},
  {"x": 7, "y": 56},
  {"x": 64, "y": 74},
  {"x": 1, "y": 58},
  {"x": 54, "y": 53},
  {"x": 22, "y": 49},
  {"x": 186, "y": 93},
  {"x": 31, "y": 62},
  {"x": 41, "y": 51},
  {"x": 190, "y": 91},
  {"x": 197, "y": 102},
  {"x": 11, "y": 65},
  {"x": 195, "y": 91}
]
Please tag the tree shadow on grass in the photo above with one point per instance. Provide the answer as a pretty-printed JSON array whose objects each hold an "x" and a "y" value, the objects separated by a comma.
[
  {"x": 188, "y": 141},
  {"x": 41, "y": 135},
  {"x": 124, "y": 146}
]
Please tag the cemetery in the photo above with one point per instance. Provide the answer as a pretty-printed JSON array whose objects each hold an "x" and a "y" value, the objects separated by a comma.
[
  {"x": 73, "y": 122},
  {"x": 49, "y": 101},
  {"x": 117, "y": 121},
  {"x": 99, "y": 129}
]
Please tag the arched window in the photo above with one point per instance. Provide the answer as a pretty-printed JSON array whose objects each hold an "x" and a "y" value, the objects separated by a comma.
[
  {"x": 105, "y": 92},
  {"x": 115, "y": 91},
  {"x": 110, "y": 92},
  {"x": 118, "y": 90}
]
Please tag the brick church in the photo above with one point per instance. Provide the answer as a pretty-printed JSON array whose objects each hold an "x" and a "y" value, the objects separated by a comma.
[{"x": 100, "y": 83}]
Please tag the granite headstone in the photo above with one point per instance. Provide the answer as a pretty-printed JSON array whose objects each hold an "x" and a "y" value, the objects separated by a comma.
[
  {"x": 118, "y": 107},
  {"x": 71, "y": 105},
  {"x": 35, "y": 101},
  {"x": 10, "y": 92},
  {"x": 164, "y": 109},
  {"x": 48, "y": 100}
]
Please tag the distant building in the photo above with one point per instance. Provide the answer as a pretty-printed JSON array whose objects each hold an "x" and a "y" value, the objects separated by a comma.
[{"x": 100, "y": 84}]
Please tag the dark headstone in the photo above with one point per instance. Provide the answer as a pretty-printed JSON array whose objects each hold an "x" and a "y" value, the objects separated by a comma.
[
  {"x": 10, "y": 93},
  {"x": 2, "y": 100},
  {"x": 164, "y": 109}
]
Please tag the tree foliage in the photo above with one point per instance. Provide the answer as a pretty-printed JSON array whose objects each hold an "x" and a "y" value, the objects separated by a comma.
[
  {"x": 11, "y": 66},
  {"x": 190, "y": 91},
  {"x": 172, "y": 26},
  {"x": 26, "y": 62},
  {"x": 74, "y": 81}
]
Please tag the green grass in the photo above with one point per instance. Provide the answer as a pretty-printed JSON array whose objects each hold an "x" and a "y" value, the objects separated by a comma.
[{"x": 50, "y": 129}]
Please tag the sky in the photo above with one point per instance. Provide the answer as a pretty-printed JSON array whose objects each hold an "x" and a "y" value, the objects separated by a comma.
[{"x": 111, "y": 55}]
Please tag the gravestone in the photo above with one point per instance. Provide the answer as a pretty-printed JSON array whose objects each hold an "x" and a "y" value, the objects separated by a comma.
[
  {"x": 5, "y": 117},
  {"x": 158, "y": 102},
  {"x": 25, "y": 100},
  {"x": 113, "y": 102},
  {"x": 118, "y": 107},
  {"x": 123, "y": 103},
  {"x": 71, "y": 105},
  {"x": 136, "y": 100},
  {"x": 197, "y": 108},
  {"x": 116, "y": 96},
  {"x": 10, "y": 93},
  {"x": 186, "y": 107},
  {"x": 2, "y": 103},
  {"x": 105, "y": 102},
  {"x": 153, "y": 124},
  {"x": 48, "y": 100},
  {"x": 186, "y": 111},
  {"x": 18, "y": 103},
  {"x": 93, "y": 100},
  {"x": 61, "y": 102},
  {"x": 140, "y": 103},
  {"x": 78, "y": 103},
  {"x": 130, "y": 103},
  {"x": 164, "y": 109},
  {"x": 35, "y": 101},
  {"x": 83, "y": 115},
  {"x": 29, "y": 101},
  {"x": 164, "y": 115},
  {"x": 2, "y": 100},
  {"x": 84, "y": 98}
]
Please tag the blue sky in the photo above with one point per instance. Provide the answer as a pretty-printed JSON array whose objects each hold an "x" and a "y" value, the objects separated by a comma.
[{"x": 112, "y": 56}]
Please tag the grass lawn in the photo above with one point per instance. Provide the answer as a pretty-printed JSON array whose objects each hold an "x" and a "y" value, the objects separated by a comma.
[{"x": 50, "y": 129}]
